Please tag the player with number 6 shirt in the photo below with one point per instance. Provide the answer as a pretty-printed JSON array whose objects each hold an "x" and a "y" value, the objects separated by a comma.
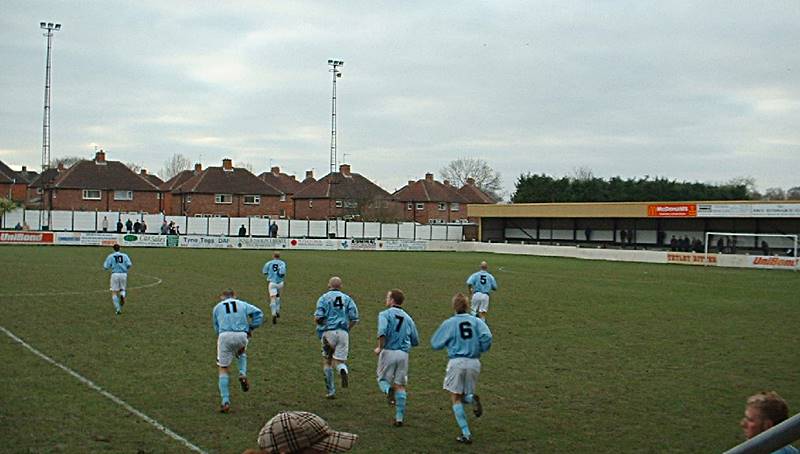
[{"x": 466, "y": 337}]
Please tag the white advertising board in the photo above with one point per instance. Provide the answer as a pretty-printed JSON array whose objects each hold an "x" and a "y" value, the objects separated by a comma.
[
  {"x": 313, "y": 244},
  {"x": 757, "y": 210}
]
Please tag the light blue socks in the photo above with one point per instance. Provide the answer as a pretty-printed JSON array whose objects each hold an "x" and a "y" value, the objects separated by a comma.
[
  {"x": 115, "y": 300},
  {"x": 384, "y": 386},
  {"x": 461, "y": 419},
  {"x": 467, "y": 399},
  {"x": 223, "y": 389},
  {"x": 330, "y": 387},
  {"x": 400, "y": 406},
  {"x": 273, "y": 308},
  {"x": 243, "y": 365}
]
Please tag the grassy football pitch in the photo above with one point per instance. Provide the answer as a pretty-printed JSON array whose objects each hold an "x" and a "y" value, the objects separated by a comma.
[{"x": 587, "y": 356}]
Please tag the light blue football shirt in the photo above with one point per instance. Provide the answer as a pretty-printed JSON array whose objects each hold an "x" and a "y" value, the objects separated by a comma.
[
  {"x": 482, "y": 282},
  {"x": 338, "y": 310},
  {"x": 118, "y": 262},
  {"x": 232, "y": 315},
  {"x": 398, "y": 329},
  {"x": 464, "y": 335},
  {"x": 275, "y": 270}
]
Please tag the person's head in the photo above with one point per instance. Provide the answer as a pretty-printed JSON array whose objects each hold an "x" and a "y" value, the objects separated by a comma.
[
  {"x": 460, "y": 303},
  {"x": 228, "y": 293},
  {"x": 484, "y": 266},
  {"x": 335, "y": 283},
  {"x": 301, "y": 432},
  {"x": 395, "y": 297},
  {"x": 116, "y": 247},
  {"x": 763, "y": 411},
  {"x": 276, "y": 255}
]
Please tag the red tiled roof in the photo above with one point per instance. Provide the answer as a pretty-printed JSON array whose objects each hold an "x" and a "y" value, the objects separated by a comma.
[
  {"x": 7, "y": 175},
  {"x": 285, "y": 183},
  {"x": 177, "y": 180},
  {"x": 153, "y": 179},
  {"x": 216, "y": 180},
  {"x": 428, "y": 190},
  {"x": 474, "y": 195},
  {"x": 43, "y": 178},
  {"x": 350, "y": 186},
  {"x": 102, "y": 174}
]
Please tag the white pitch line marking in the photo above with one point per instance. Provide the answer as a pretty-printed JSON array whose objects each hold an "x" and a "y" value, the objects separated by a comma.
[
  {"x": 83, "y": 292},
  {"x": 105, "y": 393}
]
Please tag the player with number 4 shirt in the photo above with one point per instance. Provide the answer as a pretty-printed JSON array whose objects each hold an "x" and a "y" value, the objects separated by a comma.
[
  {"x": 335, "y": 315},
  {"x": 466, "y": 337}
]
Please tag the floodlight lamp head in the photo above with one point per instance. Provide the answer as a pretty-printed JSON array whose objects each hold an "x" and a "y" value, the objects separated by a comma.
[
  {"x": 42, "y": 24},
  {"x": 58, "y": 26},
  {"x": 330, "y": 62},
  {"x": 49, "y": 25}
]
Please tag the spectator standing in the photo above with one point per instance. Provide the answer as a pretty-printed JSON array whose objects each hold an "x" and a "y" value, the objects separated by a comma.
[
  {"x": 720, "y": 245},
  {"x": 242, "y": 230},
  {"x": 129, "y": 225},
  {"x": 104, "y": 224},
  {"x": 137, "y": 226},
  {"x": 764, "y": 248},
  {"x": 273, "y": 230},
  {"x": 164, "y": 228},
  {"x": 119, "y": 226},
  {"x": 623, "y": 236},
  {"x": 143, "y": 227},
  {"x": 673, "y": 244}
]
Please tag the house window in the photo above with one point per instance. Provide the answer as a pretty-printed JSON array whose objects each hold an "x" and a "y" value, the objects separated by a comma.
[
  {"x": 350, "y": 204},
  {"x": 123, "y": 195},
  {"x": 223, "y": 198},
  {"x": 311, "y": 204},
  {"x": 91, "y": 194},
  {"x": 339, "y": 204},
  {"x": 283, "y": 197},
  {"x": 252, "y": 199},
  {"x": 410, "y": 206},
  {"x": 454, "y": 207},
  {"x": 442, "y": 206},
  {"x": 188, "y": 198},
  {"x": 420, "y": 206}
]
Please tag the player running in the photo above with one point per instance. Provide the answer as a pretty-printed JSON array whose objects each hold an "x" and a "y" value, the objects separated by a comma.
[
  {"x": 466, "y": 337},
  {"x": 119, "y": 263},
  {"x": 480, "y": 284},
  {"x": 397, "y": 333},
  {"x": 335, "y": 315},
  {"x": 275, "y": 272},
  {"x": 234, "y": 320}
]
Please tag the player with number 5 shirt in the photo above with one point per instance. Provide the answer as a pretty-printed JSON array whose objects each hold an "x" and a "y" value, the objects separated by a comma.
[
  {"x": 466, "y": 337},
  {"x": 481, "y": 283}
]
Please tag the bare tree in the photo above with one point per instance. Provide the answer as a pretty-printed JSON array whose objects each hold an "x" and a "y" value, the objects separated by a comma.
[
  {"x": 750, "y": 186},
  {"x": 774, "y": 194},
  {"x": 486, "y": 178},
  {"x": 67, "y": 161},
  {"x": 582, "y": 173},
  {"x": 247, "y": 166},
  {"x": 175, "y": 165},
  {"x": 134, "y": 166},
  {"x": 793, "y": 193}
]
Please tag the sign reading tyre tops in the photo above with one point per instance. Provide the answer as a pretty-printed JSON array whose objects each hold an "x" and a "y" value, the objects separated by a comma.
[
  {"x": 672, "y": 210},
  {"x": 26, "y": 237}
]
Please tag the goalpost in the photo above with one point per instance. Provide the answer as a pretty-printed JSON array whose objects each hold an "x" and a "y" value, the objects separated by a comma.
[{"x": 767, "y": 244}]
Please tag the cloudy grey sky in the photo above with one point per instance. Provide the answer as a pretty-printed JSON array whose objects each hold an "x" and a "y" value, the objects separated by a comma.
[{"x": 698, "y": 91}]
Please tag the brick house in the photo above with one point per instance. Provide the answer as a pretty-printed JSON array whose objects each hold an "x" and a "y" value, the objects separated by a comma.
[
  {"x": 171, "y": 200},
  {"x": 474, "y": 195},
  {"x": 101, "y": 185},
  {"x": 13, "y": 184},
  {"x": 153, "y": 179},
  {"x": 344, "y": 195},
  {"x": 35, "y": 190},
  {"x": 222, "y": 191},
  {"x": 429, "y": 201},
  {"x": 287, "y": 185}
]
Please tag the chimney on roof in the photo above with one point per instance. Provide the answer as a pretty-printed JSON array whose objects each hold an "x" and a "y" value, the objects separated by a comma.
[
  {"x": 293, "y": 177},
  {"x": 24, "y": 169},
  {"x": 227, "y": 164},
  {"x": 60, "y": 167},
  {"x": 429, "y": 176},
  {"x": 198, "y": 167},
  {"x": 446, "y": 182},
  {"x": 276, "y": 170},
  {"x": 143, "y": 172},
  {"x": 410, "y": 182},
  {"x": 309, "y": 174},
  {"x": 100, "y": 156},
  {"x": 471, "y": 181},
  {"x": 344, "y": 169}
]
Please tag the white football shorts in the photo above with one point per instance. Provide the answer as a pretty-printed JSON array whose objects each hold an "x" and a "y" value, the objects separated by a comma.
[
  {"x": 480, "y": 302},
  {"x": 229, "y": 344},
  {"x": 393, "y": 366},
  {"x": 339, "y": 341},
  {"x": 119, "y": 281},
  {"x": 275, "y": 289},
  {"x": 462, "y": 375}
]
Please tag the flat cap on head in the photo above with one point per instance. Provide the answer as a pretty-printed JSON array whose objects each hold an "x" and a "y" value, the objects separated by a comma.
[{"x": 295, "y": 431}]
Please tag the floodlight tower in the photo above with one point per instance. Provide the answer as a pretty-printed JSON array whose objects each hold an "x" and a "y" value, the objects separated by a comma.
[
  {"x": 50, "y": 27},
  {"x": 334, "y": 64}
]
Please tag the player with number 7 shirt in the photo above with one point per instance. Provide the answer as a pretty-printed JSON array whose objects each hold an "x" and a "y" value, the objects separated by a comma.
[{"x": 466, "y": 337}]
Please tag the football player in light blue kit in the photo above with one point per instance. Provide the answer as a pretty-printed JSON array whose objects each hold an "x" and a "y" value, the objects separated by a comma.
[
  {"x": 119, "y": 263},
  {"x": 234, "y": 320},
  {"x": 335, "y": 315},
  {"x": 397, "y": 333},
  {"x": 481, "y": 283},
  {"x": 275, "y": 271},
  {"x": 466, "y": 337}
]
